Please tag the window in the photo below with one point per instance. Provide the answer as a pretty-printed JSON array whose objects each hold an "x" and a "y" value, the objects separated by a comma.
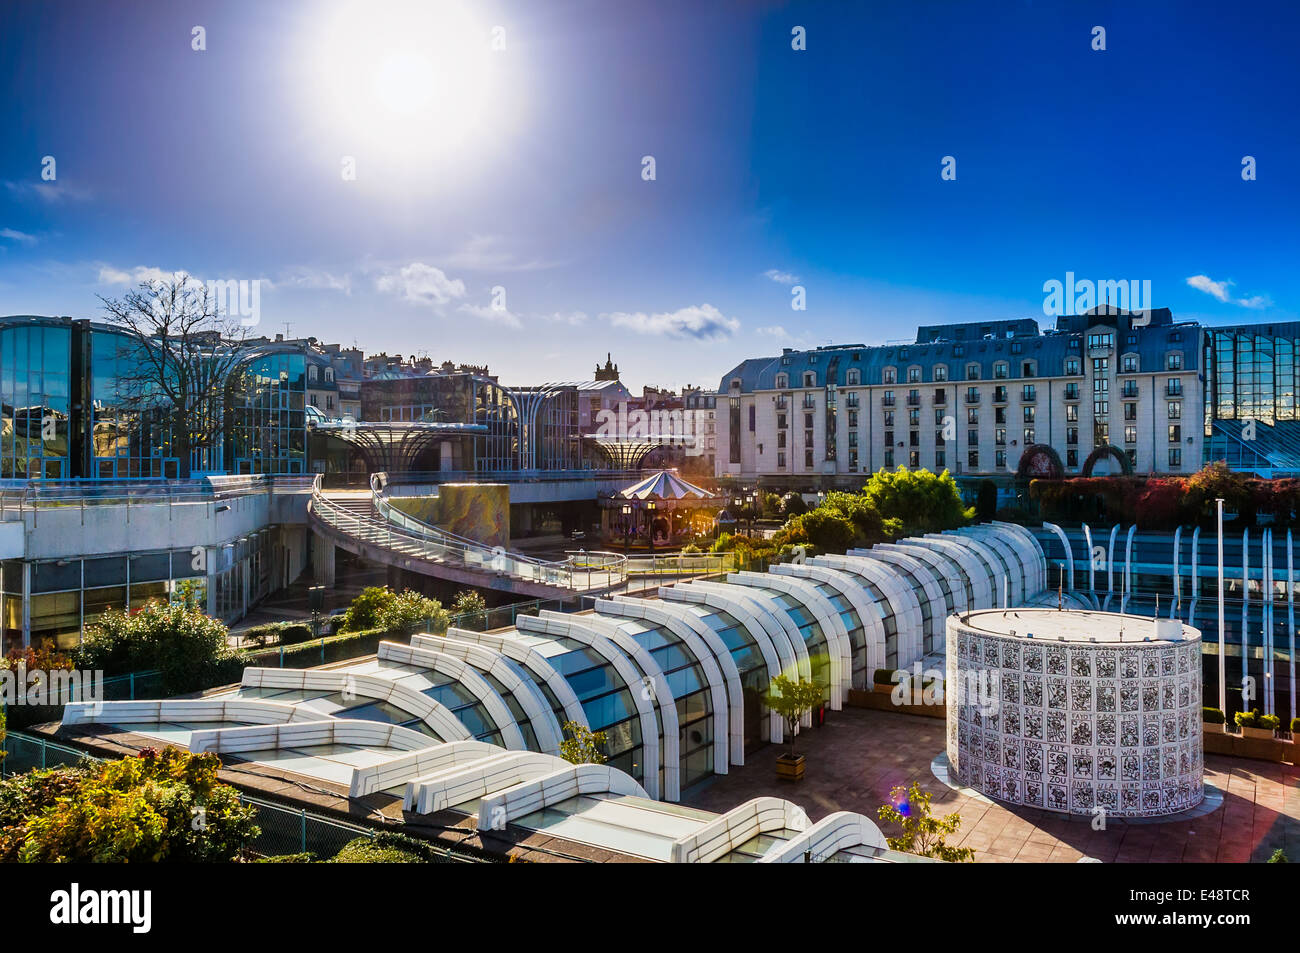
[
  {"x": 1072, "y": 456},
  {"x": 751, "y": 418},
  {"x": 1130, "y": 435},
  {"x": 973, "y": 459},
  {"x": 1071, "y": 435},
  {"x": 780, "y": 459},
  {"x": 1072, "y": 391},
  {"x": 1175, "y": 433},
  {"x": 1028, "y": 369},
  {"x": 941, "y": 372},
  {"x": 782, "y": 381},
  {"x": 1101, "y": 408},
  {"x": 914, "y": 416},
  {"x": 1028, "y": 392},
  {"x": 1174, "y": 361},
  {"x": 1000, "y": 437},
  {"x": 853, "y": 438},
  {"x": 1130, "y": 411},
  {"x": 1175, "y": 387},
  {"x": 1132, "y": 458},
  {"x": 914, "y": 375},
  {"x": 780, "y": 439},
  {"x": 1073, "y": 366},
  {"x": 1101, "y": 341},
  {"x": 1175, "y": 410},
  {"x": 999, "y": 415},
  {"x": 1129, "y": 364},
  {"x": 853, "y": 376},
  {"x": 972, "y": 372},
  {"x": 914, "y": 458},
  {"x": 940, "y": 397},
  {"x": 1029, "y": 415},
  {"x": 972, "y": 438},
  {"x": 972, "y": 415},
  {"x": 1072, "y": 412},
  {"x": 889, "y": 376},
  {"x": 1000, "y": 394},
  {"x": 889, "y": 438},
  {"x": 940, "y": 459},
  {"x": 853, "y": 419},
  {"x": 1000, "y": 459},
  {"x": 808, "y": 458},
  {"x": 807, "y": 421},
  {"x": 889, "y": 457},
  {"x": 914, "y": 398},
  {"x": 972, "y": 395},
  {"x": 1029, "y": 436},
  {"x": 938, "y": 417},
  {"x": 889, "y": 418},
  {"x": 1000, "y": 370},
  {"x": 1175, "y": 458},
  {"x": 809, "y": 378},
  {"x": 781, "y": 422}
]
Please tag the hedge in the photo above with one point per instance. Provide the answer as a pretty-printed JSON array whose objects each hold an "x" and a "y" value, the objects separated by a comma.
[{"x": 1212, "y": 716}]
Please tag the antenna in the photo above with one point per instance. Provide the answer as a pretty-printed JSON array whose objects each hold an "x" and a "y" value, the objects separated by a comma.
[{"x": 287, "y": 326}]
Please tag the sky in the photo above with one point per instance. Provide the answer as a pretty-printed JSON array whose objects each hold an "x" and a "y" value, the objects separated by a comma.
[{"x": 533, "y": 184}]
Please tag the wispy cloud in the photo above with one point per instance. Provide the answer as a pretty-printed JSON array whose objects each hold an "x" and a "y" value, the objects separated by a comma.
[
  {"x": 110, "y": 275},
  {"x": 419, "y": 283},
  {"x": 314, "y": 279},
  {"x": 492, "y": 314},
  {"x": 702, "y": 322},
  {"x": 13, "y": 235},
  {"x": 781, "y": 335},
  {"x": 1221, "y": 291},
  {"x": 572, "y": 318},
  {"x": 50, "y": 192},
  {"x": 780, "y": 277},
  {"x": 489, "y": 253}
]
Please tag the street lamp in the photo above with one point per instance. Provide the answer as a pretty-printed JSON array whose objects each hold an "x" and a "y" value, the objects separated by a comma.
[
  {"x": 650, "y": 525},
  {"x": 627, "y": 528}
]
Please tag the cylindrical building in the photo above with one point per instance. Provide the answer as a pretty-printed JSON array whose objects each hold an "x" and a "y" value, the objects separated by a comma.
[{"x": 1075, "y": 710}]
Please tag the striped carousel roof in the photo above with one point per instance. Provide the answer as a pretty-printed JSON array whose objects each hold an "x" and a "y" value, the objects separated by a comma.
[{"x": 665, "y": 485}]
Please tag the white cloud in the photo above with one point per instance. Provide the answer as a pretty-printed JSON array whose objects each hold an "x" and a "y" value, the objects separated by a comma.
[
  {"x": 108, "y": 275},
  {"x": 573, "y": 318},
  {"x": 421, "y": 284},
  {"x": 701, "y": 322},
  {"x": 1217, "y": 289},
  {"x": 16, "y": 236},
  {"x": 487, "y": 253},
  {"x": 315, "y": 279},
  {"x": 486, "y": 312},
  {"x": 781, "y": 335},
  {"x": 780, "y": 277},
  {"x": 1220, "y": 291},
  {"x": 51, "y": 192}
]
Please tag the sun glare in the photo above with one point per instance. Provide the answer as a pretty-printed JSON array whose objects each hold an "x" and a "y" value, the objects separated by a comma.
[{"x": 406, "y": 79}]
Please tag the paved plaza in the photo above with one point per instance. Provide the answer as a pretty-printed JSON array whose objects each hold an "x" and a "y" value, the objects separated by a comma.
[{"x": 860, "y": 754}]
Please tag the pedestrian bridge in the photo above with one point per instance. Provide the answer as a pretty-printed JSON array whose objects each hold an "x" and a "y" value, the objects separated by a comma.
[{"x": 365, "y": 523}]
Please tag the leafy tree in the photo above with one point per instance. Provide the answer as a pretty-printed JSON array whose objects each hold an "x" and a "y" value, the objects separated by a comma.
[
  {"x": 409, "y": 609},
  {"x": 792, "y": 504},
  {"x": 771, "y": 505},
  {"x": 364, "y": 611},
  {"x": 923, "y": 833},
  {"x": 922, "y": 502},
  {"x": 792, "y": 699},
  {"x": 159, "y": 806},
  {"x": 828, "y": 530},
  {"x": 185, "y": 645},
  {"x": 1279, "y": 857},
  {"x": 469, "y": 609},
  {"x": 581, "y": 745}
]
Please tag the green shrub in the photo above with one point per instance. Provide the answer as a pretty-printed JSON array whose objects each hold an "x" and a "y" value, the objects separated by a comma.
[
  {"x": 364, "y": 611},
  {"x": 690, "y": 549},
  {"x": 1295, "y": 726},
  {"x": 307, "y": 858},
  {"x": 884, "y": 676},
  {"x": 1212, "y": 716},
  {"x": 1246, "y": 719},
  {"x": 1279, "y": 857},
  {"x": 182, "y": 643},
  {"x": 1271, "y": 722},
  {"x": 294, "y": 632},
  {"x": 385, "y": 848},
  {"x": 469, "y": 610}
]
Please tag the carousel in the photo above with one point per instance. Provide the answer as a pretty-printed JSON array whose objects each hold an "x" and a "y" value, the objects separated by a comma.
[{"x": 661, "y": 510}]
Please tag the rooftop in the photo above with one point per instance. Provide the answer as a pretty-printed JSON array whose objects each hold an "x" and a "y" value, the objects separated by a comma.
[{"x": 1075, "y": 625}]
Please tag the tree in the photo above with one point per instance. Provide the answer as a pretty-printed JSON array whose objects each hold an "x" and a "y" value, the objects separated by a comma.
[
  {"x": 409, "y": 609},
  {"x": 364, "y": 611},
  {"x": 792, "y": 504},
  {"x": 159, "y": 806},
  {"x": 185, "y": 645},
  {"x": 581, "y": 745},
  {"x": 792, "y": 699},
  {"x": 828, "y": 530},
  {"x": 469, "y": 609},
  {"x": 182, "y": 353},
  {"x": 923, "y": 502},
  {"x": 923, "y": 833}
]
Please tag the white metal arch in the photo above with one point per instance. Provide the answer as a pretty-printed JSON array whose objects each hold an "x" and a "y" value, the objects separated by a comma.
[
  {"x": 852, "y": 590},
  {"x": 927, "y": 581},
  {"x": 253, "y": 711},
  {"x": 773, "y": 656},
  {"x": 838, "y": 647},
  {"x": 445, "y": 725},
  {"x": 909, "y": 637},
  {"x": 400, "y": 769},
  {"x": 509, "y": 673},
  {"x": 833, "y": 833},
  {"x": 465, "y": 675},
  {"x": 652, "y": 678},
  {"x": 772, "y": 616},
  {"x": 724, "y": 713},
  {"x": 307, "y": 734},
  {"x": 455, "y": 784},
  {"x": 1008, "y": 586},
  {"x": 1034, "y": 555},
  {"x": 501, "y": 807},
  {"x": 941, "y": 564},
  {"x": 742, "y": 823},
  {"x": 631, "y": 677},
  {"x": 974, "y": 569},
  {"x": 532, "y": 660}
]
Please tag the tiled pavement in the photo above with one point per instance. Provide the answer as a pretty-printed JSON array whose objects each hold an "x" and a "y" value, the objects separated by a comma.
[{"x": 859, "y": 755}]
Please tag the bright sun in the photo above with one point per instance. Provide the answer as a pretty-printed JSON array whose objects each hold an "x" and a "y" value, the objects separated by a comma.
[{"x": 409, "y": 79}]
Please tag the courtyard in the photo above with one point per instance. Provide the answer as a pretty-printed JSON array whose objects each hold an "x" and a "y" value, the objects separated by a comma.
[{"x": 859, "y": 755}]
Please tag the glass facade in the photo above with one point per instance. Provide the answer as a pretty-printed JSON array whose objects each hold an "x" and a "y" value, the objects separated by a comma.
[
  {"x": 35, "y": 369},
  {"x": 266, "y": 431}
]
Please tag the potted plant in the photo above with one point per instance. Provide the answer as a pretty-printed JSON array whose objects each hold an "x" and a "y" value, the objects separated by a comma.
[
  {"x": 1269, "y": 723},
  {"x": 792, "y": 699},
  {"x": 1213, "y": 716},
  {"x": 1248, "y": 722}
]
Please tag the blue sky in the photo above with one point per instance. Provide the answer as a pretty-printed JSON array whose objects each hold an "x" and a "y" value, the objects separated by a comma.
[{"x": 774, "y": 168}]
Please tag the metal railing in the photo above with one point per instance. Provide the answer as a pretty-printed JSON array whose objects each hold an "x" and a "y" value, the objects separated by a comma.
[
  {"x": 18, "y": 496},
  {"x": 403, "y": 534}
]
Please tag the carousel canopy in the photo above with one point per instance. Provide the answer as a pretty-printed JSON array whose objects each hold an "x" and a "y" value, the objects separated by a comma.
[{"x": 665, "y": 485}]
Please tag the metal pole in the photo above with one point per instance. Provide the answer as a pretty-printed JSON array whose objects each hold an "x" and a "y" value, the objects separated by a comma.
[
  {"x": 1245, "y": 618},
  {"x": 1290, "y": 626},
  {"x": 1223, "y": 672}
]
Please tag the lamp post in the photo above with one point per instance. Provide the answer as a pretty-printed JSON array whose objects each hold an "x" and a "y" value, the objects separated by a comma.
[
  {"x": 627, "y": 528},
  {"x": 1223, "y": 672},
  {"x": 751, "y": 502},
  {"x": 650, "y": 528}
]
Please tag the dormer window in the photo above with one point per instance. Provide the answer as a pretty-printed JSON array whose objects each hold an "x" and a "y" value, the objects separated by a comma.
[
  {"x": 782, "y": 381},
  {"x": 853, "y": 376},
  {"x": 972, "y": 372},
  {"x": 809, "y": 379}
]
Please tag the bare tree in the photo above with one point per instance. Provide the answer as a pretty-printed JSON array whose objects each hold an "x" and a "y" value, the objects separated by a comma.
[{"x": 183, "y": 350}]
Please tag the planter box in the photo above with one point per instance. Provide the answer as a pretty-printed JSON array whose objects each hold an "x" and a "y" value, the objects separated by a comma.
[
  {"x": 788, "y": 768},
  {"x": 1258, "y": 733},
  {"x": 884, "y": 688}
]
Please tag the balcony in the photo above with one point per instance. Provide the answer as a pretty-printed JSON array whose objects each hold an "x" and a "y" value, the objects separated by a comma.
[
  {"x": 1174, "y": 390},
  {"x": 913, "y": 400},
  {"x": 940, "y": 399},
  {"x": 999, "y": 395},
  {"x": 1028, "y": 396},
  {"x": 973, "y": 398},
  {"x": 1130, "y": 389},
  {"x": 887, "y": 401}
]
